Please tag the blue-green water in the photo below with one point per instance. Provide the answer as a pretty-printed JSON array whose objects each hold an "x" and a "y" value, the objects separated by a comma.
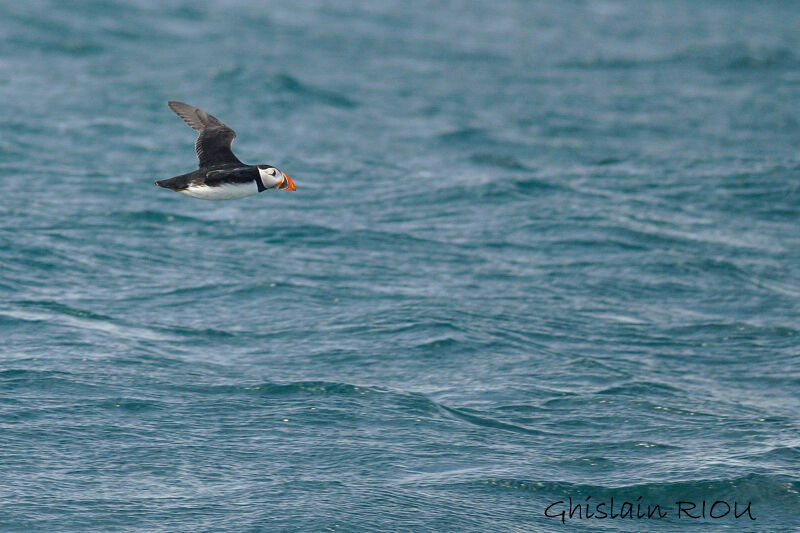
[{"x": 538, "y": 250}]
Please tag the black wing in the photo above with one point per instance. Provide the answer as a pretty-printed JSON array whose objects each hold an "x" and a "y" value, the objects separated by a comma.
[{"x": 213, "y": 145}]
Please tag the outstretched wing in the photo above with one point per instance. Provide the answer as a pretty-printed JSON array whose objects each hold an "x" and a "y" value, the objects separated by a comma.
[{"x": 213, "y": 145}]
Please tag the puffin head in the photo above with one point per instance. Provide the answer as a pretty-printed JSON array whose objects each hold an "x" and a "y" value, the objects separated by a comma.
[{"x": 272, "y": 178}]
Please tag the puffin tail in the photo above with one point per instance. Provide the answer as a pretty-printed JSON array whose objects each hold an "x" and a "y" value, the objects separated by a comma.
[{"x": 178, "y": 183}]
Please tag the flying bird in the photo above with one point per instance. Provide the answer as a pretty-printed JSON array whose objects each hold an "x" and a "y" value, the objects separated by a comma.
[{"x": 220, "y": 176}]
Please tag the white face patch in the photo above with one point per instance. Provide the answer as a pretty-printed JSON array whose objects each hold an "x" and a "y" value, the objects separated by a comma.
[
  {"x": 230, "y": 191},
  {"x": 270, "y": 177}
]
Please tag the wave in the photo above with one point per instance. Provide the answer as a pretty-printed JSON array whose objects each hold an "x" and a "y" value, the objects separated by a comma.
[
  {"x": 731, "y": 56},
  {"x": 507, "y": 162},
  {"x": 266, "y": 388},
  {"x": 296, "y": 88},
  {"x": 56, "y": 313},
  {"x": 752, "y": 487}
]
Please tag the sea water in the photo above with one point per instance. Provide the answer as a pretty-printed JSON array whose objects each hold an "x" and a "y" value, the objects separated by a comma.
[{"x": 541, "y": 255}]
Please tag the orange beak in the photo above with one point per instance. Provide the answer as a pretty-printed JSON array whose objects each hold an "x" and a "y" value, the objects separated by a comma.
[{"x": 287, "y": 185}]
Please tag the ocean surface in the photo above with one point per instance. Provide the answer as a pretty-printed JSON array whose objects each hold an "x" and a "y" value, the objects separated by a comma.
[{"x": 537, "y": 251}]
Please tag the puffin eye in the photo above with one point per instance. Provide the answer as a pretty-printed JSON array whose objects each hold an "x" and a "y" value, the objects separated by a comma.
[{"x": 273, "y": 171}]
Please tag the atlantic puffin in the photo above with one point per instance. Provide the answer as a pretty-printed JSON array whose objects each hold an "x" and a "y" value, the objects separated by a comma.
[{"x": 220, "y": 176}]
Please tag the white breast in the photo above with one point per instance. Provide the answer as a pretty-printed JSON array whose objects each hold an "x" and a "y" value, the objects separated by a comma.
[{"x": 229, "y": 191}]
